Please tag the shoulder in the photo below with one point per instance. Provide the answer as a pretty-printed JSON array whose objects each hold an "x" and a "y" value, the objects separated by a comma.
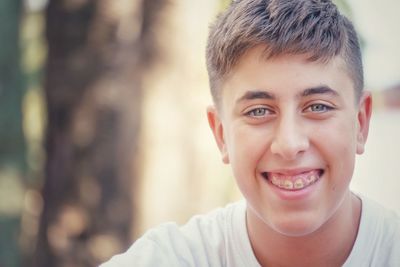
[
  {"x": 197, "y": 243},
  {"x": 386, "y": 226},
  {"x": 378, "y": 218},
  {"x": 378, "y": 239}
]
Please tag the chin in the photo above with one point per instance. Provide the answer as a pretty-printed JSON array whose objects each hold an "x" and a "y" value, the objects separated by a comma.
[{"x": 296, "y": 227}]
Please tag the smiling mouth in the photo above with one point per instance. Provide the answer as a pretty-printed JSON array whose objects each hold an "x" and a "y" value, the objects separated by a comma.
[{"x": 293, "y": 182}]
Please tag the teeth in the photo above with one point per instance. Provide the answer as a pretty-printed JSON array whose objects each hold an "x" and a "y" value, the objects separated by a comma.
[
  {"x": 288, "y": 184},
  {"x": 275, "y": 181},
  {"x": 311, "y": 179},
  {"x": 298, "y": 184}
]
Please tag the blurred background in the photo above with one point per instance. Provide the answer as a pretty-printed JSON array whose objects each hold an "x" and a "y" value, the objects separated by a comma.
[{"x": 103, "y": 129}]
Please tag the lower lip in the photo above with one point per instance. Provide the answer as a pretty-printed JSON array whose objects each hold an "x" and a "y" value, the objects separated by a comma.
[{"x": 294, "y": 194}]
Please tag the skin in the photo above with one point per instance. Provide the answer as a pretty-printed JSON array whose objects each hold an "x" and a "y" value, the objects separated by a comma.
[{"x": 288, "y": 116}]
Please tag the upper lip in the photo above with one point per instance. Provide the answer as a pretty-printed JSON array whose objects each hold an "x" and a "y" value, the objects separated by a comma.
[{"x": 290, "y": 172}]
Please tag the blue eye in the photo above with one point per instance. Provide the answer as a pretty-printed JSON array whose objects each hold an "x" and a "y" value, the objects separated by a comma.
[
  {"x": 257, "y": 112},
  {"x": 319, "y": 108}
]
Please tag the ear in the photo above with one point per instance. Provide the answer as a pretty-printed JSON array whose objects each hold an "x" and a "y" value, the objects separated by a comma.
[
  {"x": 218, "y": 130},
  {"x": 364, "y": 116}
]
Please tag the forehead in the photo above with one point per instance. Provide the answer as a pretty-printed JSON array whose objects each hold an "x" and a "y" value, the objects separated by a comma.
[{"x": 284, "y": 74}]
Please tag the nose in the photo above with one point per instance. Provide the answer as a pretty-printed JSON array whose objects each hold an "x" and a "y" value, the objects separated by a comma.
[{"x": 290, "y": 139}]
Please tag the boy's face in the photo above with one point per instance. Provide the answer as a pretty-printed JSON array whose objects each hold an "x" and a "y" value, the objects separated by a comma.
[{"x": 290, "y": 128}]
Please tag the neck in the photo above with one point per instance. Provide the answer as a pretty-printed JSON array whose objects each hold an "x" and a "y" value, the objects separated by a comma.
[{"x": 330, "y": 245}]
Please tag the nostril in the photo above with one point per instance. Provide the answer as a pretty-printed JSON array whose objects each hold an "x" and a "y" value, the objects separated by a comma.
[
  {"x": 289, "y": 141},
  {"x": 289, "y": 150}
]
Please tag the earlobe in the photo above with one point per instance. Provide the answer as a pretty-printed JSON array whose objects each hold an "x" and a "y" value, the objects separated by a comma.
[
  {"x": 218, "y": 130},
  {"x": 364, "y": 116}
]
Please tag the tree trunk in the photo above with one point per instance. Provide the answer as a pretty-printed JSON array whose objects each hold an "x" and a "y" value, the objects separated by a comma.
[{"x": 98, "y": 52}]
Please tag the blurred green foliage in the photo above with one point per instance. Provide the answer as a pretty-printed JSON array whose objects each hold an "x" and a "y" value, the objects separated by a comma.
[
  {"x": 12, "y": 142},
  {"x": 9, "y": 249},
  {"x": 22, "y": 55},
  {"x": 11, "y": 87}
]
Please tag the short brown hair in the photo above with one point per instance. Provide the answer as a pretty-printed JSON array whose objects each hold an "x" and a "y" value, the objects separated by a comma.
[{"x": 311, "y": 27}]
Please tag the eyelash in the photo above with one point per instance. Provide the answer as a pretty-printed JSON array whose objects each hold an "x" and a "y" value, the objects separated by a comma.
[
  {"x": 265, "y": 111},
  {"x": 325, "y": 107},
  {"x": 252, "y": 113}
]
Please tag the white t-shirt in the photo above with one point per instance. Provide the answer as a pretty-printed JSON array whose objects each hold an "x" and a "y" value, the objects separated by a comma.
[{"x": 220, "y": 239}]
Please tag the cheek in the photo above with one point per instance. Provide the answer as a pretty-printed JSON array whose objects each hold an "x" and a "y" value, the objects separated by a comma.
[
  {"x": 338, "y": 147},
  {"x": 246, "y": 147}
]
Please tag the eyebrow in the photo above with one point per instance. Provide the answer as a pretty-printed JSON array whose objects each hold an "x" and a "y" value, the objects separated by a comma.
[
  {"x": 318, "y": 90},
  {"x": 250, "y": 95}
]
